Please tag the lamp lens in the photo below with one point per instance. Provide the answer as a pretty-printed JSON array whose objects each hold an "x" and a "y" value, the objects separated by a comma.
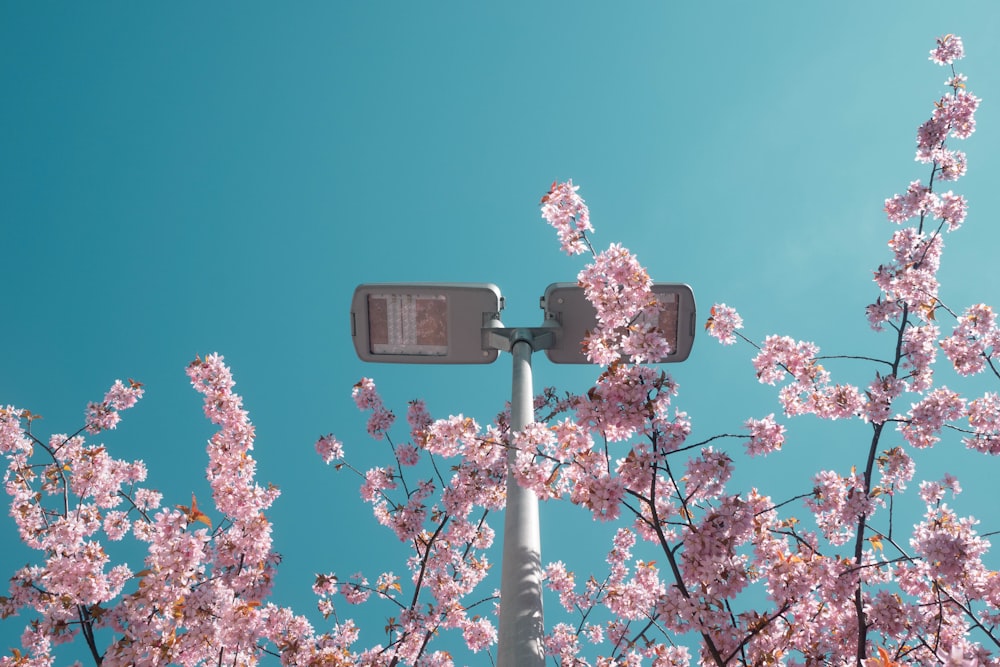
[{"x": 408, "y": 324}]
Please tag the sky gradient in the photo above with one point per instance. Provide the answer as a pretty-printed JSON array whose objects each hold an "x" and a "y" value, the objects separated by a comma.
[{"x": 218, "y": 177}]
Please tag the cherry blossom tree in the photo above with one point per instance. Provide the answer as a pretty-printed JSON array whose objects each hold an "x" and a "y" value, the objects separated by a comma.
[{"x": 738, "y": 578}]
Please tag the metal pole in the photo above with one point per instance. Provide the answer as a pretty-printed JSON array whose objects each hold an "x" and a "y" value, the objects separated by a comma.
[{"x": 521, "y": 626}]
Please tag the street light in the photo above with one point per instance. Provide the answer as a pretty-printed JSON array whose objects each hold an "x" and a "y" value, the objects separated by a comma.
[
  {"x": 424, "y": 323},
  {"x": 459, "y": 323}
]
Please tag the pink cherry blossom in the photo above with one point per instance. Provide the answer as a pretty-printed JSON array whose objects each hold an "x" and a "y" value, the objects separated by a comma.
[
  {"x": 479, "y": 634},
  {"x": 329, "y": 448},
  {"x": 958, "y": 110},
  {"x": 565, "y": 210},
  {"x": 708, "y": 473},
  {"x": 780, "y": 355},
  {"x": 928, "y": 417},
  {"x": 881, "y": 394},
  {"x": 951, "y": 164},
  {"x": 919, "y": 350},
  {"x": 766, "y": 435},
  {"x": 952, "y": 209},
  {"x": 974, "y": 340},
  {"x": 984, "y": 418},
  {"x": 838, "y": 503},
  {"x": 918, "y": 200},
  {"x": 723, "y": 323},
  {"x": 912, "y": 275},
  {"x": 949, "y": 49},
  {"x": 897, "y": 469},
  {"x": 618, "y": 286}
]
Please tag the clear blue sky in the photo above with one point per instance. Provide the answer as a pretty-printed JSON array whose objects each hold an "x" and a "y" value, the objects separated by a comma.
[{"x": 219, "y": 176}]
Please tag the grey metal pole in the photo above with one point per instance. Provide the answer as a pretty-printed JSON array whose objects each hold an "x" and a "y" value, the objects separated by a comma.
[{"x": 521, "y": 625}]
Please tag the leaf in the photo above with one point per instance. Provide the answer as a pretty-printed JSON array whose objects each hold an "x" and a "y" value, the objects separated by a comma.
[
  {"x": 97, "y": 611},
  {"x": 548, "y": 195},
  {"x": 710, "y": 322},
  {"x": 194, "y": 514},
  {"x": 883, "y": 660}
]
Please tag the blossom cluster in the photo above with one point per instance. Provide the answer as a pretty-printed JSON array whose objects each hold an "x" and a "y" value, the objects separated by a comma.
[
  {"x": 941, "y": 576},
  {"x": 200, "y": 593},
  {"x": 449, "y": 542},
  {"x": 723, "y": 321},
  {"x": 565, "y": 210},
  {"x": 974, "y": 341}
]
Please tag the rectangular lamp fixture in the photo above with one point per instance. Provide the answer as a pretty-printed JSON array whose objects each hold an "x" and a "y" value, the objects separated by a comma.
[
  {"x": 566, "y": 304},
  {"x": 424, "y": 323}
]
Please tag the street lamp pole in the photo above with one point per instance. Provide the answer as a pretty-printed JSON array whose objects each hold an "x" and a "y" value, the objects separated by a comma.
[{"x": 521, "y": 625}]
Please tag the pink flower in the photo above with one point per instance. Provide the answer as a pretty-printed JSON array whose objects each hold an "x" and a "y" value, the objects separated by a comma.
[
  {"x": 617, "y": 285},
  {"x": 365, "y": 395},
  {"x": 781, "y": 354},
  {"x": 479, "y": 634},
  {"x": 882, "y": 311},
  {"x": 562, "y": 642},
  {"x": 838, "y": 502},
  {"x": 948, "y": 50},
  {"x": 565, "y": 210},
  {"x": 974, "y": 340},
  {"x": 329, "y": 448},
  {"x": 950, "y": 547},
  {"x": 722, "y": 323},
  {"x": 594, "y": 633},
  {"x": 919, "y": 350},
  {"x": 951, "y": 208},
  {"x": 120, "y": 397},
  {"x": 101, "y": 417},
  {"x": 645, "y": 344},
  {"x": 147, "y": 499},
  {"x": 356, "y": 591},
  {"x": 116, "y": 525},
  {"x": 601, "y": 494},
  {"x": 897, "y": 470},
  {"x": 951, "y": 165},
  {"x": 929, "y": 416},
  {"x": 958, "y": 111},
  {"x": 419, "y": 419},
  {"x": 408, "y": 455},
  {"x": 377, "y": 480},
  {"x": 984, "y": 418},
  {"x": 708, "y": 473},
  {"x": 766, "y": 435},
  {"x": 561, "y": 581},
  {"x": 917, "y": 200},
  {"x": 911, "y": 277}
]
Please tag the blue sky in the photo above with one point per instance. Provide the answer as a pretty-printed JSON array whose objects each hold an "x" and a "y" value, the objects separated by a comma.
[{"x": 218, "y": 177}]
